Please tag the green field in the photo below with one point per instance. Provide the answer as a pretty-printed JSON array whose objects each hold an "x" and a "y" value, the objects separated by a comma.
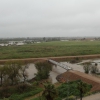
[{"x": 48, "y": 49}]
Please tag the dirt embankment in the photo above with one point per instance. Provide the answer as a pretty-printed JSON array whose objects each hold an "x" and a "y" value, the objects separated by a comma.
[
  {"x": 61, "y": 58},
  {"x": 76, "y": 75}
]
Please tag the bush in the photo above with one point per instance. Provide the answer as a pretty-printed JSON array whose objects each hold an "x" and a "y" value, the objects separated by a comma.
[
  {"x": 71, "y": 98},
  {"x": 86, "y": 68},
  {"x": 24, "y": 95},
  {"x": 75, "y": 60},
  {"x": 10, "y": 90},
  {"x": 71, "y": 88},
  {"x": 38, "y": 98},
  {"x": 23, "y": 87},
  {"x": 5, "y": 92},
  {"x": 94, "y": 69},
  {"x": 88, "y": 93},
  {"x": 58, "y": 98},
  {"x": 43, "y": 70}
]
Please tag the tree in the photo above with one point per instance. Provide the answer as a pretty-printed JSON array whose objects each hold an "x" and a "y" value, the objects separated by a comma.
[
  {"x": 90, "y": 68},
  {"x": 86, "y": 68},
  {"x": 94, "y": 69},
  {"x": 2, "y": 73},
  {"x": 24, "y": 72},
  {"x": 83, "y": 88},
  {"x": 13, "y": 71},
  {"x": 49, "y": 92},
  {"x": 68, "y": 89},
  {"x": 43, "y": 70}
]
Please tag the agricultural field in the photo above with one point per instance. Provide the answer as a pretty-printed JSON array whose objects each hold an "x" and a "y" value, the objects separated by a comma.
[{"x": 50, "y": 49}]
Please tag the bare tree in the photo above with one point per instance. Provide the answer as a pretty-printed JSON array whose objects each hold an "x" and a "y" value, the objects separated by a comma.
[
  {"x": 12, "y": 71},
  {"x": 86, "y": 68},
  {"x": 24, "y": 72},
  {"x": 94, "y": 69},
  {"x": 2, "y": 73}
]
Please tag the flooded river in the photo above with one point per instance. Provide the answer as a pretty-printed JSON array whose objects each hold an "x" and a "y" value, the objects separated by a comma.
[{"x": 58, "y": 70}]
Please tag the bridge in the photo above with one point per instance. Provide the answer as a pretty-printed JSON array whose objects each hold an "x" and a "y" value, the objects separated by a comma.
[{"x": 59, "y": 64}]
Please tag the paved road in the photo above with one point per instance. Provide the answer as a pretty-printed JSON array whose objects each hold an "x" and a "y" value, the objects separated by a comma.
[{"x": 92, "y": 97}]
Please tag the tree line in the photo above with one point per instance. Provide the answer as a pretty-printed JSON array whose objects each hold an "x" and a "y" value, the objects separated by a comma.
[
  {"x": 90, "y": 68},
  {"x": 13, "y": 72}
]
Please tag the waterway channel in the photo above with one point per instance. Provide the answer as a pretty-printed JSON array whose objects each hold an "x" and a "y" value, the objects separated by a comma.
[{"x": 56, "y": 70}]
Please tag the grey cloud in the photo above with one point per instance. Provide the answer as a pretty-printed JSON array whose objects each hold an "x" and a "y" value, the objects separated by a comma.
[{"x": 32, "y": 18}]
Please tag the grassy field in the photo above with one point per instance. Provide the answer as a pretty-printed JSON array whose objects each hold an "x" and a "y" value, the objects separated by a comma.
[{"x": 48, "y": 49}]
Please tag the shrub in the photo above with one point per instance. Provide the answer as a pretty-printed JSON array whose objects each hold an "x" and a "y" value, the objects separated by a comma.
[
  {"x": 23, "y": 87},
  {"x": 88, "y": 93},
  {"x": 72, "y": 88},
  {"x": 24, "y": 95},
  {"x": 94, "y": 69},
  {"x": 58, "y": 98},
  {"x": 86, "y": 68},
  {"x": 71, "y": 98},
  {"x": 43, "y": 70}
]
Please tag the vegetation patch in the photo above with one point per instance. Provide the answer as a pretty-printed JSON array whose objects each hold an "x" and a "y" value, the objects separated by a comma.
[
  {"x": 50, "y": 49},
  {"x": 24, "y": 95},
  {"x": 73, "y": 89},
  {"x": 43, "y": 70}
]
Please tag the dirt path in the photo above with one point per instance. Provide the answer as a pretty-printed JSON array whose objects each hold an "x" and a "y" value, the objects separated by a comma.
[
  {"x": 55, "y": 58},
  {"x": 92, "y": 97}
]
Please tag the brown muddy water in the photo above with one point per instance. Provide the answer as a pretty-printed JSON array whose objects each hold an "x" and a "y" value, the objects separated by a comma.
[{"x": 58, "y": 70}]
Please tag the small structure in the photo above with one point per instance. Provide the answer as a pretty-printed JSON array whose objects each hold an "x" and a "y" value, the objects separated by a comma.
[{"x": 59, "y": 64}]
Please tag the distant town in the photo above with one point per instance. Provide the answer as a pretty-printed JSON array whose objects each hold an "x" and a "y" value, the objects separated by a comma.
[{"x": 30, "y": 40}]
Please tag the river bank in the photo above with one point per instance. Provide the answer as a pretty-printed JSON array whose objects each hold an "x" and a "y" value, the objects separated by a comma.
[{"x": 60, "y": 58}]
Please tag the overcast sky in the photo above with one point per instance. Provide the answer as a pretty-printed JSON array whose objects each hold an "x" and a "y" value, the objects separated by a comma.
[{"x": 49, "y": 18}]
